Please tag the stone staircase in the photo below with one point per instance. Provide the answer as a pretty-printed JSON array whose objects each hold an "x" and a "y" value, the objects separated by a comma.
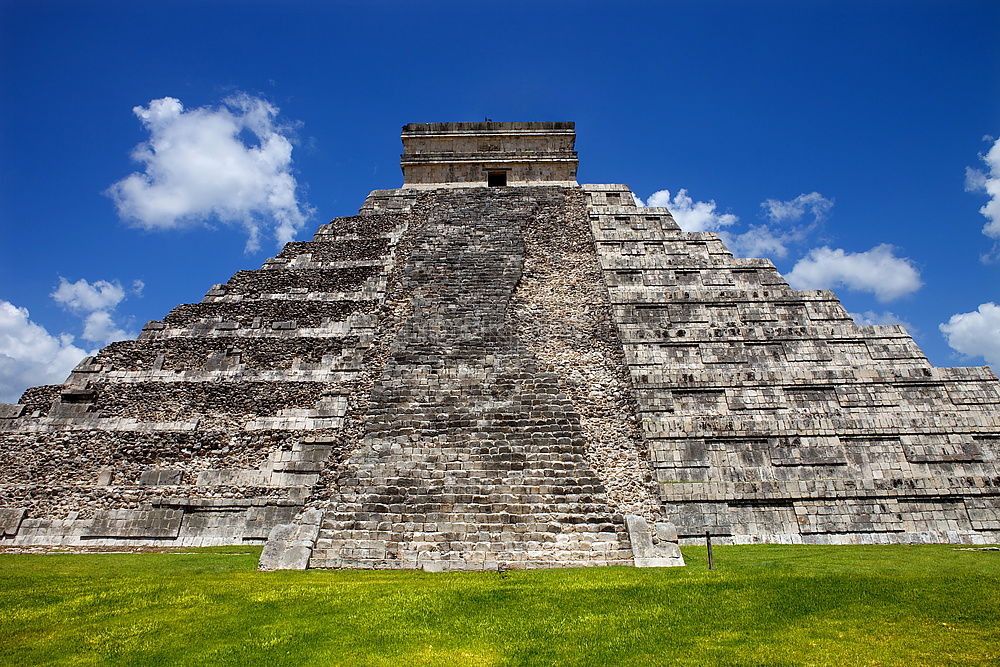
[{"x": 472, "y": 458}]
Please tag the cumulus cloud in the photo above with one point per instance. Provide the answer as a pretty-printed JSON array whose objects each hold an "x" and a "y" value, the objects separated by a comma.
[
  {"x": 763, "y": 241},
  {"x": 773, "y": 240},
  {"x": 758, "y": 241},
  {"x": 95, "y": 302},
  {"x": 988, "y": 181},
  {"x": 976, "y": 334},
  {"x": 85, "y": 297},
  {"x": 30, "y": 355},
  {"x": 101, "y": 328},
  {"x": 870, "y": 317},
  {"x": 691, "y": 215},
  {"x": 197, "y": 168},
  {"x": 878, "y": 271},
  {"x": 794, "y": 209}
]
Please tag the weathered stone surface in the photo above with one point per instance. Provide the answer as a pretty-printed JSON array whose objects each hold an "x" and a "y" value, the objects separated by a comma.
[
  {"x": 470, "y": 377},
  {"x": 770, "y": 416},
  {"x": 472, "y": 457},
  {"x": 10, "y": 520},
  {"x": 562, "y": 315},
  {"x": 224, "y": 414},
  {"x": 442, "y": 155},
  {"x": 152, "y": 523},
  {"x": 290, "y": 545},
  {"x": 653, "y": 548}
]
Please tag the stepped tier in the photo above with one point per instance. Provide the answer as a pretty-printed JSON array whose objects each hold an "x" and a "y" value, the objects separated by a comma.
[
  {"x": 214, "y": 425},
  {"x": 770, "y": 416},
  {"x": 475, "y": 377}
]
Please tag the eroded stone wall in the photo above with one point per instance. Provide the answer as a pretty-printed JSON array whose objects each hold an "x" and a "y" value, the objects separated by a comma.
[
  {"x": 771, "y": 417},
  {"x": 472, "y": 455},
  {"x": 562, "y": 314},
  {"x": 215, "y": 425}
]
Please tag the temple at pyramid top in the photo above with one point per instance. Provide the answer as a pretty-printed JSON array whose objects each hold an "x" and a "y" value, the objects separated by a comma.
[{"x": 488, "y": 153}]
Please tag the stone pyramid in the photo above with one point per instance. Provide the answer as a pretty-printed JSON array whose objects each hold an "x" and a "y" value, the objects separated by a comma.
[{"x": 491, "y": 367}]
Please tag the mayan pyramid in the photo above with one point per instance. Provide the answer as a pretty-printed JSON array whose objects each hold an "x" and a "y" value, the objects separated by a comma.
[{"x": 492, "y": 367}]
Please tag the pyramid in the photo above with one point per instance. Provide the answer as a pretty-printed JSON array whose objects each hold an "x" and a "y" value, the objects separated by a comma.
[{"x": 494, "y": 367}]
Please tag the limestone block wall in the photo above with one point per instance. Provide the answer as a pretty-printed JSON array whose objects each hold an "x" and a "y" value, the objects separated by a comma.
[
  {"x": 437, "y": 155},
  {"x": 486, "y": 141},
  {"x": 213, "y": 426},
  {"x": 770, "y": 416},
  {"x": 473, "y": 172}
]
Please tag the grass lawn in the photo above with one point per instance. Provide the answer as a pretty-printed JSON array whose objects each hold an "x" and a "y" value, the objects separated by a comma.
[{"x": 768, "y": 604}]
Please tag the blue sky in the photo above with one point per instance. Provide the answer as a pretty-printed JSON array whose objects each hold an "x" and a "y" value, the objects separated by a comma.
[{"x": 839, "y": 135}]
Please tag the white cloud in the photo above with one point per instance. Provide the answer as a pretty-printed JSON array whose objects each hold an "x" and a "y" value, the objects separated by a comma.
[
  {"x": 196, "y": 168},
  {"x": 988, "y": 182},
  {"x": 137, "y": 287},
  {"x": 975, "y": 180},
  {"x": 760, "y": 241},
  {"x": 877, "y": 271},
  {"x": 101, "y": 328},
  {"x": 84, "y": 297},
  {"x": 976, "y": 334},
  {"x": 773, "y": 241},
  {"x": 756, "y": 240},
  {"x": 30, "y": 355},
  {"x": 793, "y": 209},
  {"x": 95, "y": 302},
  {"x": 692, "y": 216},
  {"x": 870, "y": 317}
]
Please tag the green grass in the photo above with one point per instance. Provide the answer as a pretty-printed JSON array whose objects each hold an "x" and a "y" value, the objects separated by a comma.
[{"x": 767, "y": 604}]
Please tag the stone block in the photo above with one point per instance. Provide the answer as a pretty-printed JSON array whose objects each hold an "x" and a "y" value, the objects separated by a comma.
[
  {"x": 692, "y": 519},
  {"x": 160, "y": 477},
  {"x": 940, "y": 447},
  {"x": 260, "y": 521},
  {"x": 984, "y": 512},
  {"x": 807, "y": 451},
  {"x": 850, "y": 515},
  {"x": 649, "y": 553},
  {"x": 10, "y": 520},
  {"x": 11, "y": 411},
  {"x": 290, "y": 546},
  {"x": 152, "y": 524}
]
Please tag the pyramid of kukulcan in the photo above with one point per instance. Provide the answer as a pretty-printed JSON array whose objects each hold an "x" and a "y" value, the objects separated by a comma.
[{"x": 491, "y": 367}]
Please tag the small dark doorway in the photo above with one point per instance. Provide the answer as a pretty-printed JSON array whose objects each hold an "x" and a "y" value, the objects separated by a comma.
[{"x": 496, "y": 179}]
